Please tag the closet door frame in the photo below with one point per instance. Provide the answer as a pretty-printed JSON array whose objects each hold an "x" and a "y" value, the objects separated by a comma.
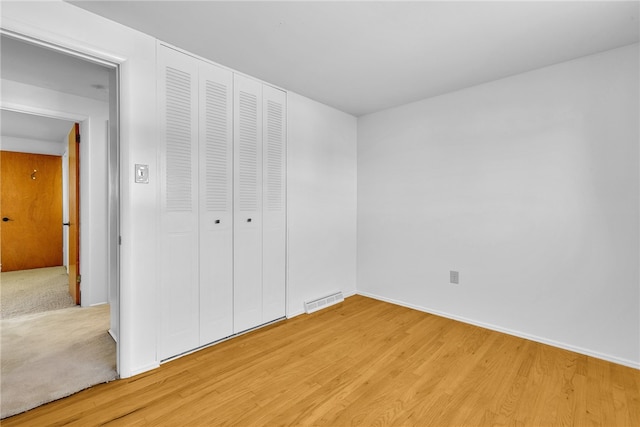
[{"x": 229, "y": 263}]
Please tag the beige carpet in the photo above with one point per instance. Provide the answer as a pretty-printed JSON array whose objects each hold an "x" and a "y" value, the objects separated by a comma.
[
  {"x": 34, "y": 291},
  {"x": 47, "y": 356}
]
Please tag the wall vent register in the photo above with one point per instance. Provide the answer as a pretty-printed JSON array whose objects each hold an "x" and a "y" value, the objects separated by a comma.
[{"x": 324, "y": 302}]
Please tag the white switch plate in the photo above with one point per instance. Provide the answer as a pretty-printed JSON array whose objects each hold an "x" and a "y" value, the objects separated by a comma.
[{"x": 142, "y": 174}]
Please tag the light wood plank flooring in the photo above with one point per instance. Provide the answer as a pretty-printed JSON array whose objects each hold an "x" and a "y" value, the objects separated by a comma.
[{"x": 363, "y": 362}]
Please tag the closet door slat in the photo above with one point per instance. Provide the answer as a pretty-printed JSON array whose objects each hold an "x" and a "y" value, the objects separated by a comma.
[
  {"x": 247, "y": 203},
  {"x": 216, "y": 202},
  {"x": 274, "y": 203},
  {"x": 178, "y": 275}
]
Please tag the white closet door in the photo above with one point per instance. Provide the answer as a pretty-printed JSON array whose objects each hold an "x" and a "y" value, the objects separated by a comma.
[
  {"x": 179, "y": 293},
  {"x": 216, "y": 203},
  {"x": 274, "y": 203},
  {"x": 247, "y": 203}
]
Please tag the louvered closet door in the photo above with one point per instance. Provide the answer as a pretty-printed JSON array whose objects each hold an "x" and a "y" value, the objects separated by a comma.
[
  {"x": 178, "y": 275},
  {"x": 273, "y": 205},
  {"x": 247, "y": 203},
  {"x": 216, "y": 203}
]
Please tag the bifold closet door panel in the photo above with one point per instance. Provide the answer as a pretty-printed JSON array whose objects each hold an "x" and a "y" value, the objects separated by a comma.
[
  {"x": 274, "y": 204},
  {"x": 247, "y": 302},
  {"x": 179, "y": 292},
  {"x": 216, "y": 203}
]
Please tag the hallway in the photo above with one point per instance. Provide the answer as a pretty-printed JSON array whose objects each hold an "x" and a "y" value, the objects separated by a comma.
[{"x": 50, "y": 347}]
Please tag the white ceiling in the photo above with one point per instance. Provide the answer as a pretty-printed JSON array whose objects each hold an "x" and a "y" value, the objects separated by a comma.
[
  {"x": 39, "y": 66},
  {"x": 362, "y": 57},
  {"x": 29, "y": 126}
]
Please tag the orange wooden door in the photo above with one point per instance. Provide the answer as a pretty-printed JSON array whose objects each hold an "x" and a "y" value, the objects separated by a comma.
[
  {"x": 74, "y": 213},
  {"x": 31, "y": 204}
]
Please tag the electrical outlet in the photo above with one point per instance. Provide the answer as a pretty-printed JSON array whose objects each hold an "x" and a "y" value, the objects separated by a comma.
[{"x": 454, "y": 277}]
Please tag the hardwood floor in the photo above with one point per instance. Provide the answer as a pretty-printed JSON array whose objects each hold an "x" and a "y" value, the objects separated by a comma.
[{"x": 363, "y": 362}]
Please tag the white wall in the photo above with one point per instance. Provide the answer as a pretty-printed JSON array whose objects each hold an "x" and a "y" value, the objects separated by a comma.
[
  {"x": 321, "y": 202},
  {"x": 529, "y": 187},
  {"x": 93, "y": 116},
  {"x": 135, "y": 52}
]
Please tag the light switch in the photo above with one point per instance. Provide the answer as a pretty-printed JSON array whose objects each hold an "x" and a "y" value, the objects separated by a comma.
[{"x": 142, "y": 174}]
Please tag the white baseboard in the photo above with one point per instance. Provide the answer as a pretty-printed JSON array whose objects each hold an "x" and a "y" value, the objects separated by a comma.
[
  {"x": 349, "y": 294},
  {"x": 564, "y": 346},
  {"x": 294, "y": 314},
  {"x": 97, "y": 304},
  {"x": 140, "y": 370}
]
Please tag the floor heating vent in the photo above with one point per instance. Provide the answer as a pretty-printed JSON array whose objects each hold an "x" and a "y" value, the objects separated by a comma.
[{"x": 320, "y": 303}]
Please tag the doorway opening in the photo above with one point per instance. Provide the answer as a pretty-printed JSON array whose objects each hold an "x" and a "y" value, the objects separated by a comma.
[{"x": 45, "y": 85}]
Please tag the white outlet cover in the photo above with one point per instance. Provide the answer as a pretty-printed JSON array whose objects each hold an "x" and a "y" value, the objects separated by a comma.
[{"x": 454, "y": 277}]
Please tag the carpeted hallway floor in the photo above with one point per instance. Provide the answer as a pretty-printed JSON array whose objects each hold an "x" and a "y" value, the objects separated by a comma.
[
  {"x": 47, "y": 355},
  {"x": 34, "y": 291}
]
